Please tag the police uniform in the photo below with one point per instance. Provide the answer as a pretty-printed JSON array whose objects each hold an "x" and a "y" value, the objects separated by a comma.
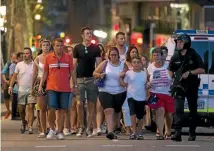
[{"x": 188, "y": 62}]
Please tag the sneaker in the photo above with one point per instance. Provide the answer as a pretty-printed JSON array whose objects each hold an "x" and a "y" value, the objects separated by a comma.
[
  {"x": 51, "y": 134},
  {"x": 73, "y": 131},
  {"x": 140, "y": 137},
  {"x": 111, "y": 136},
  {"x": 88, "y": 134},
  {"x": 104, "y": 129},
  {"x": 117, "y": 131},
  {"x": 99, "y": 132},
  {"x": 23, "y": 128},
  {"x": 133, "y": 136},
  {"x": 94, "y": 133},
  {"x": 41, "y": 135},
  {"x": 79, "y": 133},
  {"x": 66, "y": 132},
  {"x": 60, "y": 136},
  {"x": 30, "y": 130}
]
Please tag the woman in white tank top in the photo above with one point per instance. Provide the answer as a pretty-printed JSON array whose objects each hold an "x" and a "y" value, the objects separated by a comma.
[
  {"x": 112, "y": 95},
  {"x": 38, "y": 69}
]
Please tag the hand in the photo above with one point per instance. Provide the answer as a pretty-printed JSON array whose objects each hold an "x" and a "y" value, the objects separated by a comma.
[
  {"x": 41, "y": 90},
  {"x": 185, "y": 75},
  {"x": 102, "y": 75},
  {"x": 10, "y": 91},
  {"x": 76, "y": 91},
  {"x": 148, "y": 85},
  {"x": 122, "y": 74},
  {"x": 8, "y": 82}
]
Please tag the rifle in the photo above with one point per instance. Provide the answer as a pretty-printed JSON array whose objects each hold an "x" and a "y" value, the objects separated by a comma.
[{"x": 178, "y": 85}]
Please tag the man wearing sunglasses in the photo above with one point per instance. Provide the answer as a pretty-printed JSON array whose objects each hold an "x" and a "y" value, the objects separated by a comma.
[
  {"x": 85, "y": 56},
  {"x": 58, "y": 71}
]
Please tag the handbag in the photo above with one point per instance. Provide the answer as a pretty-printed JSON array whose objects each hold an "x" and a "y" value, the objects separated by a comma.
[
  {"x": 100, "y": 82},
  {"x": 35, "y": 91},
  {"x": 152, "y": 102}
]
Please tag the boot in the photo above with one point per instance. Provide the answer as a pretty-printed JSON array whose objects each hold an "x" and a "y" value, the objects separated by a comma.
[
  {"x": 177, "y": 136},
  {"x": 192, "y": 136}
]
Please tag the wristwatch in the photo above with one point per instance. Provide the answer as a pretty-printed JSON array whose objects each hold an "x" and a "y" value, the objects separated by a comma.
[{"x": 190, "y": 73}]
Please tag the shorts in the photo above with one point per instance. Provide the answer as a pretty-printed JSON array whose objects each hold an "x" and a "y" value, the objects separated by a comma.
[
  {"x": 114, "y": 101},
  {"x": 137, "y": 108},
  {"x": 88, "y": 90},
  {"x": 71, "y": 96},
  {"x": 6, "y": 95},
  {"x": 165, "y": 101},
  {"x": 25, "y": 98},
  {"x": 58, "y": 100}
]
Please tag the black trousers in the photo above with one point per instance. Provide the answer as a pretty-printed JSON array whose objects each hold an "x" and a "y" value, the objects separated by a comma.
[
  {"x": 14, "y": 105},
  {"x": 192, "y": 96}
]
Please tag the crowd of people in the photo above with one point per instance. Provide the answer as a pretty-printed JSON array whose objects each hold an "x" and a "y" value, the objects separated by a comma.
[{"x": 90, "y": 88}]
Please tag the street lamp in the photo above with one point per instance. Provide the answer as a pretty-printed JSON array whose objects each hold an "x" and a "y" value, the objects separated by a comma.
[{"x": 37, "y": 16}]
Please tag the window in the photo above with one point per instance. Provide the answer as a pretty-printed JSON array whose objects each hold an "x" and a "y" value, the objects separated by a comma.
[
  {"x": 211, "y": 58},
  {"x": 201, "y": 47}
]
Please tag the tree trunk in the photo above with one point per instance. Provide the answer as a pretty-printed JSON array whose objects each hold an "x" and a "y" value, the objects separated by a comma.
[{"x": 29, "y": 22}]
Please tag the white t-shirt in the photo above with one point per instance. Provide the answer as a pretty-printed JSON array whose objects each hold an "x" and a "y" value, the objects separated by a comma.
[
  {"x": 136, "y": 88},
  {"x": 160, "y": 79},
  {"x": 25, "y": 76}
]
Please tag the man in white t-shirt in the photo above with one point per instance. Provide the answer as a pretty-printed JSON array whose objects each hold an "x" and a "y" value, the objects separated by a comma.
[{"x": 23, "y": 74}]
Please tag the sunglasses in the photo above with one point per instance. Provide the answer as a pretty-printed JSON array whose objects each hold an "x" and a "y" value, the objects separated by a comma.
[
  {"x": 58, "y": 64},
  {"x": 86, "y": 50},
  {"x": 136, "y": 62}
]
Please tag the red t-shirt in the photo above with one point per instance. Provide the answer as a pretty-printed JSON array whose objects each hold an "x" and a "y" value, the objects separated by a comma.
[{"x": 58, "y": 78}]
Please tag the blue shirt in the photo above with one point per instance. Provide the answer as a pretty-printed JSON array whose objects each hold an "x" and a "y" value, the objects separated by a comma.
[{"x": 12, "y": 70}]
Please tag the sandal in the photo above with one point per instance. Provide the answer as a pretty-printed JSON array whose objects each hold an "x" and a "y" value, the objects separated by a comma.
[
  {"x": 168, "y": 137},
  {"x": 159, "y": 137}
]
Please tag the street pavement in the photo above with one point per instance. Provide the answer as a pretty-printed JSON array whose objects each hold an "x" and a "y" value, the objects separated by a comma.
[{"x": 12, "y": 140}]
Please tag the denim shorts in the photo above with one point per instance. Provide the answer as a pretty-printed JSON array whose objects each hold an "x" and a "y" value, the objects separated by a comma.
[
  {"x": 71, "y": 96},
  {"x": 58, "y": 100}
]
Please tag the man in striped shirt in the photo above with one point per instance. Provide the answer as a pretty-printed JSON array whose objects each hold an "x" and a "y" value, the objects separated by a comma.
[{"x": 58, "y": 71}]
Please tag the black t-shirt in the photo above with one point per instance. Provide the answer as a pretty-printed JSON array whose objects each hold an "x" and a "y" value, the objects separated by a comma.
[
  {"x": 191, "y": 61},
  {"x": 86, "y": 57}
]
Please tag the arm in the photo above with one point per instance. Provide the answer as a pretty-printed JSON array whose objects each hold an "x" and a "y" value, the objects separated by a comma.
[
  {"x": 98, "y": 61},
  {"x": 124, "y": 79},
  {"x": 122, "y": 83},
  {"x": 35, "y": 69},
  {"x": 98, "y": 71},
  {"x": 73, "y": 79},
  {"x": 44, "y": 75},
  {"x": 12, "y": 83},
  {"x": 98, "y": 56},
  {"x": 12, "y": 70},
  {"x": 200, "y": 64},
  {"x": 4, "y": 71}
]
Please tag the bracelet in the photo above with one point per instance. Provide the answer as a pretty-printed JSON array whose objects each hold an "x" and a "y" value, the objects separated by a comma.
[
  {"x": 10, "y": 87},
  {"x": 75, "y": 86},
  {"x": 190, "y": 73}
]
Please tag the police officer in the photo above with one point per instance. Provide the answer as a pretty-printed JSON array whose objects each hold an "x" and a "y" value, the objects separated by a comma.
[{"x": 185, "y": 66}]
